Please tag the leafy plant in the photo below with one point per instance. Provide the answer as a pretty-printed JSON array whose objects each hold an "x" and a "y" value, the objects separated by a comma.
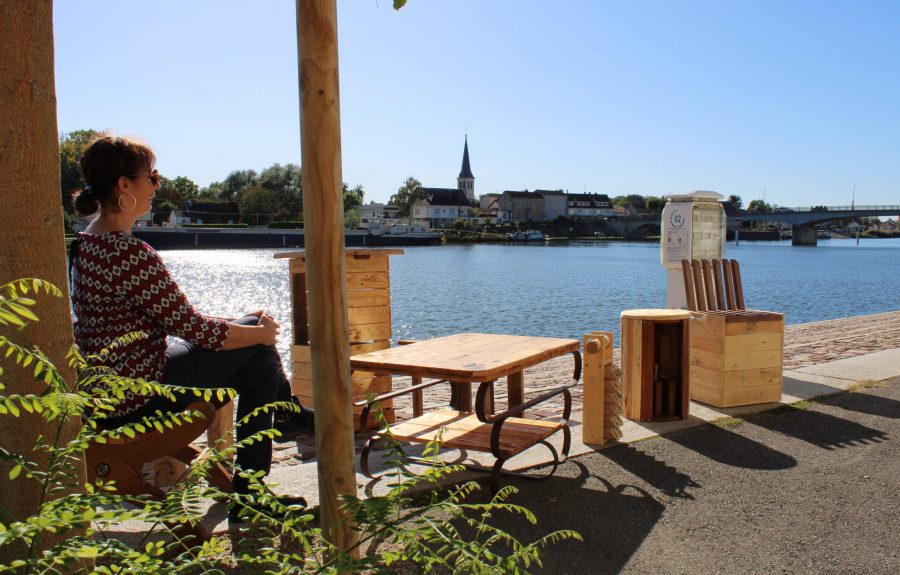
[{"x": 443, "y": 533}]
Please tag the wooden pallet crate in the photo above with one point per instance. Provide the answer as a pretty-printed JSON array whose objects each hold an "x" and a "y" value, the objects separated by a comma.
[
  {"x": 369, "y": 319},
  {"x": 736, "y": 357}
]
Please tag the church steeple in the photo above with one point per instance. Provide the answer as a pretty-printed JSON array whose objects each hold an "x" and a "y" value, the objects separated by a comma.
[{"x": 466, "y": 181}]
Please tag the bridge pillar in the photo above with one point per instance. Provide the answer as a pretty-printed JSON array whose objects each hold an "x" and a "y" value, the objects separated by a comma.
[{"x": 803, "y": 235}]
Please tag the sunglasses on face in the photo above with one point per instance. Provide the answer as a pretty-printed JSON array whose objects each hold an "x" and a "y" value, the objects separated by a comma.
[{"x": 153, "y": 176}]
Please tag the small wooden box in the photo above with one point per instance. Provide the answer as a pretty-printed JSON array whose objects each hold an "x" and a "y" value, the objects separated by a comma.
[
  {"x": 654, "y": 364},
  {"x": 369, "y": 318},
  {"x": 736, "y": 357}
]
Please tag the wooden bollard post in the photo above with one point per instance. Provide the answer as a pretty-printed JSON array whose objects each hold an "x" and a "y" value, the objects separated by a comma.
[{"x": 597, "y": 354}]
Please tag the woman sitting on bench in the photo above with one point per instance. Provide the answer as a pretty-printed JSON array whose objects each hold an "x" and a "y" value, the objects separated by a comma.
[{"x": 120, "y": 285}]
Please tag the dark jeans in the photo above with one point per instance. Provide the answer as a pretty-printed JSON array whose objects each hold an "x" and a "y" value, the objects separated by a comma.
[{"x": 254, "y": 372}]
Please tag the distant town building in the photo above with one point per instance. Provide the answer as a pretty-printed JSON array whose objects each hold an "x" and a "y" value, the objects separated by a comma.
[
  {"x": 521, "y": 206},
  {"x": 555, "y": 204},
  {"x": 377, "y": 213},
  {"x": 440, "y": 207},
  {"x": 589, "y": 206}
]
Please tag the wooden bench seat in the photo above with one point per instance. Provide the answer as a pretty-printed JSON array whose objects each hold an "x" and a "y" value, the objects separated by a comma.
[
  {"x": 122, "y": 459},
  {"x": 462, "y": 430}
]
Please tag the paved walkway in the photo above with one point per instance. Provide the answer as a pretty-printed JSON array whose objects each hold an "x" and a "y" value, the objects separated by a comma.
[
  {"x": 819, "y": 359},
  {"x": 795, "y": 491}
]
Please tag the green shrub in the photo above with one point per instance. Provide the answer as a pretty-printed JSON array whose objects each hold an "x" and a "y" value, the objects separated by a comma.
[
  {"x": 285, "y": 225},
  {"x": 445, "y": 533}
]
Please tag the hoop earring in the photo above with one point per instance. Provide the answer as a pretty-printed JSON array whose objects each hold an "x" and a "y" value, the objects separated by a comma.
[{"x": 133, "y": 203}]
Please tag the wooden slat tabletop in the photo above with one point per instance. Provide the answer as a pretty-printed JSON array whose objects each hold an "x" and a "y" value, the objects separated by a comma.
[{"x": 470, "y": 357}]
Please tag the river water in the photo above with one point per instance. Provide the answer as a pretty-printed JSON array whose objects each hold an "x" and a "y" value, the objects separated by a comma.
[{"x": 557, "y": 289}]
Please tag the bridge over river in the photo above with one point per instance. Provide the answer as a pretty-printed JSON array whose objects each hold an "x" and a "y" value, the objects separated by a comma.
[{"x": 803, "y": 220}]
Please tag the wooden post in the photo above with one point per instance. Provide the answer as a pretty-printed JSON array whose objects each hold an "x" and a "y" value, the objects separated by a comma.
[
  {"x": 594, "y": 363},
  {"x": 320, "y": 142}
]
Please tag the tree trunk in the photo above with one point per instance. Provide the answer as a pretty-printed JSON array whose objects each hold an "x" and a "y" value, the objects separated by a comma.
[
  {"x": 32, "y": 242},
  {"x": 329, "y": 334}
]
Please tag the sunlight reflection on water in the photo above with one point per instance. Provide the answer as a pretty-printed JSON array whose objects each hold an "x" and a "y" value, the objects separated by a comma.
[{"x": 558, "y": 290}]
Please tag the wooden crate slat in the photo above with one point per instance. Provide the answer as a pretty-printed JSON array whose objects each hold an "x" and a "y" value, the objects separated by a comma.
[
  {"x": 370, "y": 280},
  {"x": 369, "y": 314},
  {"x": 371, "y": 332},
  {"x": 759, "y": 341},
  {"x": 367, "y": 297}
]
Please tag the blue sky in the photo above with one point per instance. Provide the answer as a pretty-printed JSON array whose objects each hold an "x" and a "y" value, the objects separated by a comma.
[{"x": 797, "y": 100}]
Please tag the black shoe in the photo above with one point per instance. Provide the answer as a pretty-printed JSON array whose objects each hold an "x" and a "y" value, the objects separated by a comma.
[
  {"x": 245, "y": 507},
  {"x": 292, "y": 424}
]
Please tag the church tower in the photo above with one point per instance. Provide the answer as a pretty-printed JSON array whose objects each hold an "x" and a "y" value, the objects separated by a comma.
[{"x": 466, "y": 181}]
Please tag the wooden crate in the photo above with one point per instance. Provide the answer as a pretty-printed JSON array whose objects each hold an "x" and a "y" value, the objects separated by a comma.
[
  {"x": 369, "y": 319},
  {"x": 736, "y": 357},
  {"x": 654, "y": 364}
]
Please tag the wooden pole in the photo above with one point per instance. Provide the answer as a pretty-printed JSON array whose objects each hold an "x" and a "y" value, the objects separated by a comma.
[{"x": 329, "y": 335}]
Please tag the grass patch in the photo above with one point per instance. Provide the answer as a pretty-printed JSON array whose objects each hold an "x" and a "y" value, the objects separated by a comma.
[{"x": 728, "y": 421}]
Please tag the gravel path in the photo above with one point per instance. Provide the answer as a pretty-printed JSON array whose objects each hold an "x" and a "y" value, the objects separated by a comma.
[{"x": 812, "y": 490}]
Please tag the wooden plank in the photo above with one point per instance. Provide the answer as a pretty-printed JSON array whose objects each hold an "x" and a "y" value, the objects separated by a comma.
[
  {"x": 593, "y": 383},
  {"x": 750, "y": 396},
  {"x": 717, "y": 281},
  {"x": 369, "y": 315},
  {"x": 728, "y": 279},
  {"x": 299, "y": 257},
  {"x": 370, "y": 332},
  {"x": 368, "y": 280},
  {"x": 631, "y": 366},
  {"x": 368, "y": 297},
  {"x": 706, "y": 342},
  {"x": 708, "y": 286},
  {"x": 705, "y": 394},
  {"x": 738, "y": 289},
  {"x": 752, "y": 360},
  {"x": 698, "y": 285},
  {"x": 689, "y": 290},
  {"x": 366, "y": 264},
  {"x": 645, "y": 384},
  {"x": 515, "y": 392},
  {"x": 707, "y": 360},
  {"x": 300, "y": 353},
  {"x": 763, "y": 377},
  {"x": 759, "y": 341},
  {"x": 706, "y": 323},
  {"x": 459, "y": 430},
  {"x": 745, "y": 327}
]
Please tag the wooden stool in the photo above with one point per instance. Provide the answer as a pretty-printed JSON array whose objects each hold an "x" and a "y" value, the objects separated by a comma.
[{"x": 122, "y": 460}]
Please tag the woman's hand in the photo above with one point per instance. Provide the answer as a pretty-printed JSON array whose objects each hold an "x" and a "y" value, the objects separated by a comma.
[
  {"x": 269, "y": 329},
  {"x": 265, "y": 332}
]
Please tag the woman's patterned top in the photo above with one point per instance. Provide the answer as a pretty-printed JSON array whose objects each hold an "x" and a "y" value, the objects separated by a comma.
[{"x": 120, "y": 285}]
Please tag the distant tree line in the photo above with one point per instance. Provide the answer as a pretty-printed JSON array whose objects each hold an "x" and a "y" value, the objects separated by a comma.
[{"x": 274, "y": 194}]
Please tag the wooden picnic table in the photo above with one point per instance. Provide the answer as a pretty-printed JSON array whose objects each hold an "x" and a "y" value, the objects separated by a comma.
[
  {"x": 467, "y": 358},
  {"x": 461, "y": 360}
]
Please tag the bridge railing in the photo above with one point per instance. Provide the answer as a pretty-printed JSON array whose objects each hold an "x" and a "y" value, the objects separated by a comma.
[{"x": 851, "y": 208}]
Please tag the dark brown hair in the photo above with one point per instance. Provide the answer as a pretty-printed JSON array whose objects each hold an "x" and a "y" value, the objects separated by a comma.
[{"x": 105, "y": 159}]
